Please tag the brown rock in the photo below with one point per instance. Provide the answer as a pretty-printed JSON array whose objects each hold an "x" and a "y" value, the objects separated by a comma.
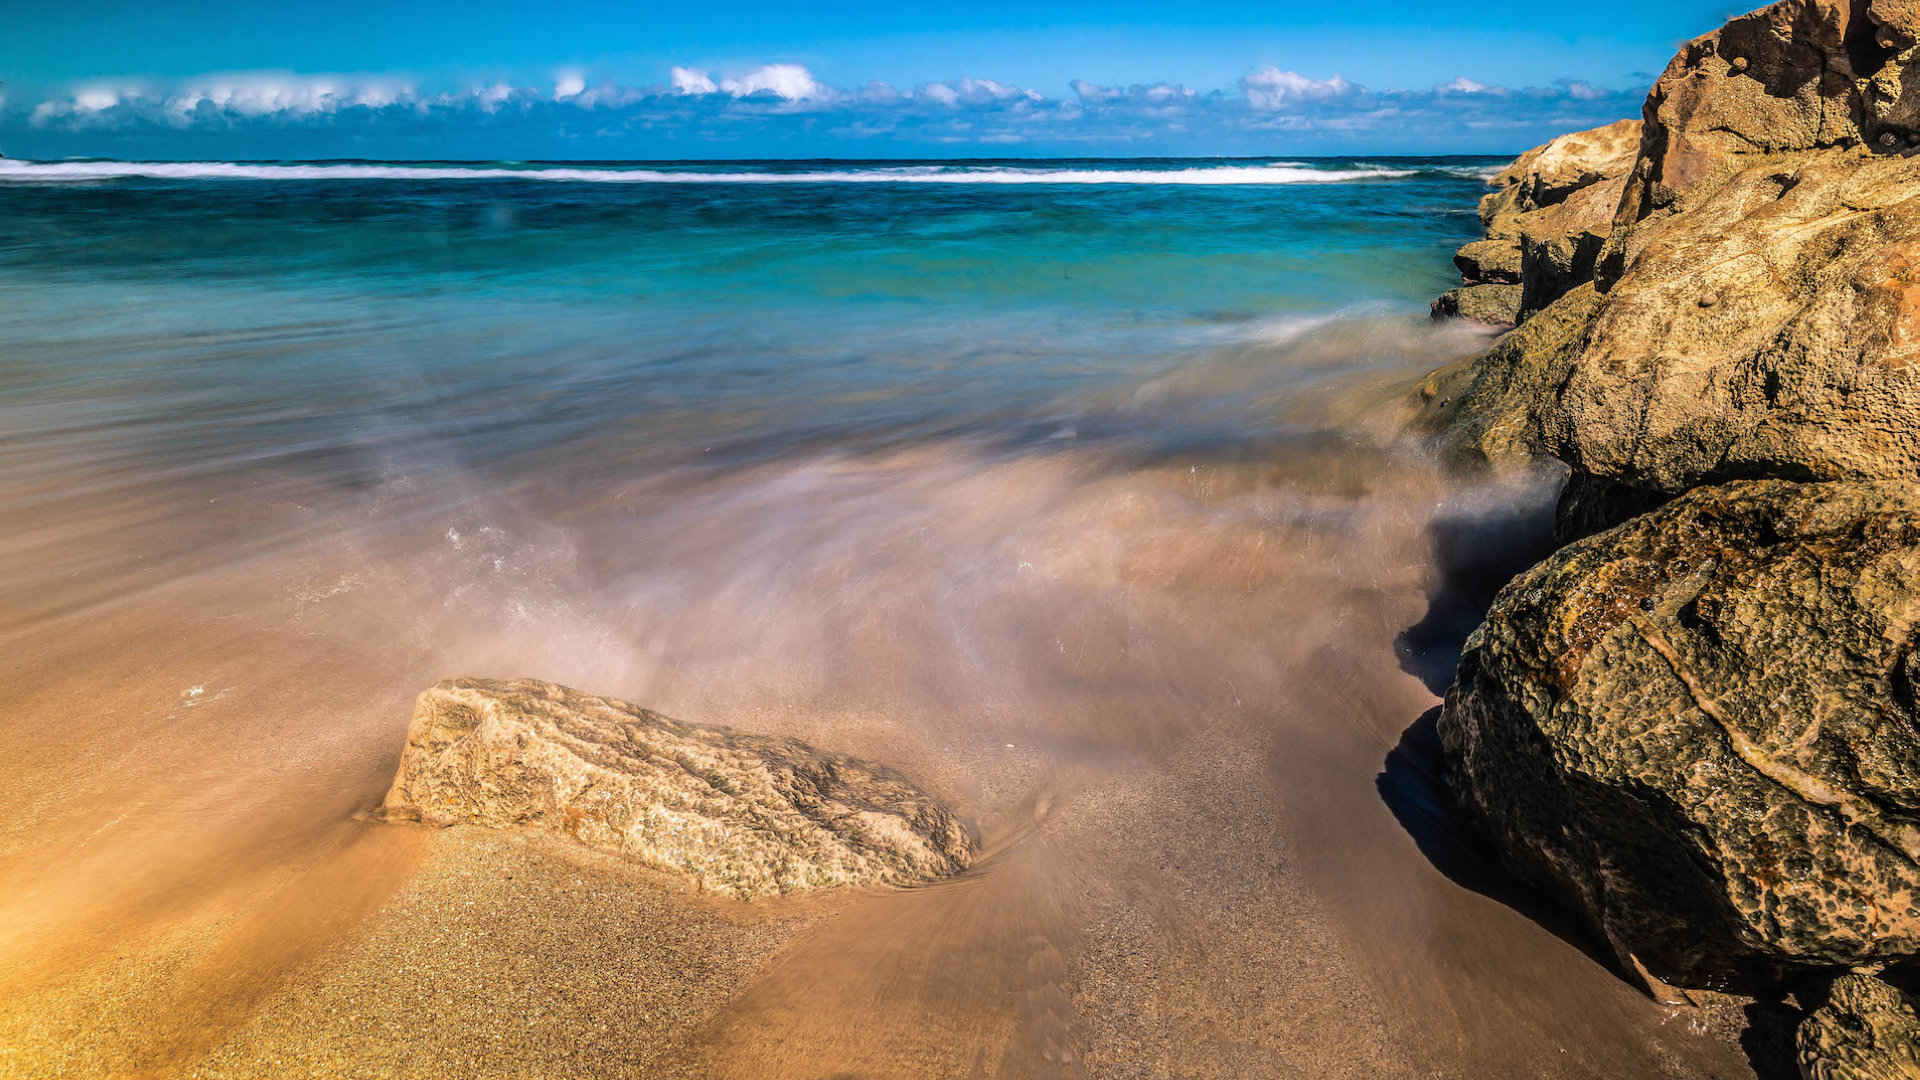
[
  {"x": 738, "y": 814},
  {"x": 1561, "y": 244},
  {"x": 1494, "y": 304},
  {"x": 1549, "y": 173},
  {"x": 1795, "y": 91},
  {"x": 1485, "y": 261},
  {"x": 1550, "y": 217},
  {"x": 1867, "y": 1030},
  {"x": 1700, "y": 729},
  {"x": 1486, "y": 412},
  {"x": 1773, "y": 329}
]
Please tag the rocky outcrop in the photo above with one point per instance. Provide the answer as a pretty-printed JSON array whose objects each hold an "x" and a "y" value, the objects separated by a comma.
[
  {"x": 737, "y": 814},
  {"x": 1773, "y": 329},
  {"x": 1547, "y": 220},
  {"x": 1701, "y": 728},
  {"x": 1698, "y": 724},
  {"x": 1867, "y": 1030}
]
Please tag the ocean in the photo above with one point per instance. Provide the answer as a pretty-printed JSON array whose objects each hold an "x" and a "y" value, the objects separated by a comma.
[{"x": 315, "y": 306}]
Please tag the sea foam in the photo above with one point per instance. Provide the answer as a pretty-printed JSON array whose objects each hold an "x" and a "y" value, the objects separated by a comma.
[{"x": 1276, "y": 173}]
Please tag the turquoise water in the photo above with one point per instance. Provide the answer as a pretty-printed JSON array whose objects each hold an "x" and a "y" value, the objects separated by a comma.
[{"x": 275, "y": 309}]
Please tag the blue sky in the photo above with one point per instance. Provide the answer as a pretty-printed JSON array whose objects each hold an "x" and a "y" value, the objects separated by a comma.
[{"x": 845, "y": 78}]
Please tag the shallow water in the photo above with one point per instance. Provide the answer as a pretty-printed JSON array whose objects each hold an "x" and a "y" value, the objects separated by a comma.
[{"x": 1063, "y": 497}]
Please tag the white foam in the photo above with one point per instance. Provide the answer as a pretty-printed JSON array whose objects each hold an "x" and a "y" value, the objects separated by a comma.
[{"x": 1279, "y": 173}]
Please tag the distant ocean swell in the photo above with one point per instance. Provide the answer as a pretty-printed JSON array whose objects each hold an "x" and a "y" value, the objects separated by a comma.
[{"x": 1274, "y": 173}]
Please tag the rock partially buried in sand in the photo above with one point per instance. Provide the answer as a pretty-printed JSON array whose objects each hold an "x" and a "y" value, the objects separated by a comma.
[
  {"x": 739, "y": 814},
  {"x": 1867, "y": 1030},
  {"x": 1700, "y": 729}
]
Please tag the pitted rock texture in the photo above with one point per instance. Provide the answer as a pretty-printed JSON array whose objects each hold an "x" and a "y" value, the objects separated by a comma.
[
  {"x": 738, "y": 814},
  {"x": 1773, "y": 329},
  {"x": 1867, "y": 1030},
  {"x": 1547, "y": 220},
  {"x": 1700, "y": 730}
]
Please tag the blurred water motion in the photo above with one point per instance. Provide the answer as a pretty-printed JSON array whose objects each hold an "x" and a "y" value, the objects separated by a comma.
[{"x": 1051, "y": 496}]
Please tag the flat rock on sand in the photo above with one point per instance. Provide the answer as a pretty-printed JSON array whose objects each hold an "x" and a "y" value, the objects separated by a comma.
[{"x": 738, "y": 814}]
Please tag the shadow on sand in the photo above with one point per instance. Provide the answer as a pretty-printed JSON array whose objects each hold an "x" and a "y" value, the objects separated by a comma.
[{"x": 1477, "y": 550}]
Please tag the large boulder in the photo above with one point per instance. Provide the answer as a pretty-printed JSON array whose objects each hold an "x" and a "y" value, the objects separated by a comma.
[
  {"x": 1866, "y": 1030},
  {"x": 738, "y": 814},
  {"x": 1779, "y": 79},
  {"x": 1700, "y": 729}
]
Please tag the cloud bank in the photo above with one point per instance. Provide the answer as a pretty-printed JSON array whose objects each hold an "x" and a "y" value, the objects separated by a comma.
[{"x": 783, "y": 107}]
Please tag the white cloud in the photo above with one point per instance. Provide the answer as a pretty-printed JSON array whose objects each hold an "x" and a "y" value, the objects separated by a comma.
[
  {"x": 95, "y": 100},
  {"x": 940, "y": 94},
  {"x": 783, "y": 97},
  {"x": 975, "y": 92},
  {"x": 689, "y": 81},
  {"x": 790, "y": 82},
  {"x": 1162, "y": 95},
  {"x": 490, "y": 98},
  {"x": 280, "y": 94},
  {"x": 1272, "y": 88}
]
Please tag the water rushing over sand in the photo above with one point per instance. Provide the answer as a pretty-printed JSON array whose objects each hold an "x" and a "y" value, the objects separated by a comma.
[{"x": 1160, "y": 606}]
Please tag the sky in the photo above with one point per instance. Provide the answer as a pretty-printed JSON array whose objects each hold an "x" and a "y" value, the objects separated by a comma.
[{"x": 581, "y": 79}]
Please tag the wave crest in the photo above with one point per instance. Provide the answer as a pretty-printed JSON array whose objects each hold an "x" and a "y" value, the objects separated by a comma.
[{"x": 1278, "y": 173}]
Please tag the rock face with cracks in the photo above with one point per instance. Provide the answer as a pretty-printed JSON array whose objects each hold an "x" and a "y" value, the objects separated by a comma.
[
  {"x": 737, "y": 814},
  {"x": 1701, "y": 730}
]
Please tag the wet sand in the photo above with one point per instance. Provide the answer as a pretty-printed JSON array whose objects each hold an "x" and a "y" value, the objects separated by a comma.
[{"x": 1162, "y": 679}]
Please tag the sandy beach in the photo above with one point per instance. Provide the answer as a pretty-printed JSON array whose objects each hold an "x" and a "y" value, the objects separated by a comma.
[{"x": 1165, "y": 689}]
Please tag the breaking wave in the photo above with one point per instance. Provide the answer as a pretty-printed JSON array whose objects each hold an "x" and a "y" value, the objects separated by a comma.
[{"x": 1276, "y": 173}]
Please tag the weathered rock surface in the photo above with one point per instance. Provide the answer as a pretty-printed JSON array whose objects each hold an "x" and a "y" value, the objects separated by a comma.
[
  {"x": 1771, "y": 330},
  {"x": 738, "y": 814},
  {"x": 1486, "y": 411},
  {"x": 1867, "y": 1030},
  {"x": 1700, "y": 729},
  {"x": 1547, "y": 221},
  {"x": 1496, "y": 304},
  {"x": 1794, "y": 76}
]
